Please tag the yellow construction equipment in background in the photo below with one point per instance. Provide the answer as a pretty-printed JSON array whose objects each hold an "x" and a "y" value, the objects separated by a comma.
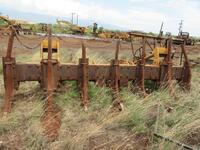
[
  {"x": 69, "y": 27},
  {"x": 55, "y": 49}
]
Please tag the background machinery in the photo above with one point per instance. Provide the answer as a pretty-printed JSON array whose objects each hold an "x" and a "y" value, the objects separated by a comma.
[
  {"x": 68, "y": 27},
  {"x": 184, "y": 35},
  {"x": 21, "y": 27}
]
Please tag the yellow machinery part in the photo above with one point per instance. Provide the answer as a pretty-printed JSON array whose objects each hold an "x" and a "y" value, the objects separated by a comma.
[
  {"x": 126, "y": 62},
  {"x": 157, "y": 52},
  {"x": 94, "y": 62},
  {"x": 55, "y": 49}
]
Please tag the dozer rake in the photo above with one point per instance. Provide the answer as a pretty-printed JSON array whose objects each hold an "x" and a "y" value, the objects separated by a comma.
[{"x": 51, "y": 72}]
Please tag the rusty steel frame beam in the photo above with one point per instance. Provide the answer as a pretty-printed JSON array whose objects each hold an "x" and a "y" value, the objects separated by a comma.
[
  {"x": 50, "y": 73},
  {"x": 70, "y": 72},
  {"x": 141, "y": 35}
]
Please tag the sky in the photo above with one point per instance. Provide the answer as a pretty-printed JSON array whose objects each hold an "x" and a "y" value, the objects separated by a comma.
[{"x": 142, "y": 15}]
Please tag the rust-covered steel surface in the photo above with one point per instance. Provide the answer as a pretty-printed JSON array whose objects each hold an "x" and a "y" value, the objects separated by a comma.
[
  {"x": 83, "y": 77},
  {"x": 51, "y": 117},
  {"x": 114, "y": 76},
  {"x": 140, "y": 71},
  {"x": 100, "y": 73},
  {"x": 50, "y": 73},
  {"x": 186, "y": 72},
  {"x": 70, "y": 72}
]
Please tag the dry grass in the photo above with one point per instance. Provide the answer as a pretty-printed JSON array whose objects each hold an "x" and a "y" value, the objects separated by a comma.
[{"x": 80, "y": 130}]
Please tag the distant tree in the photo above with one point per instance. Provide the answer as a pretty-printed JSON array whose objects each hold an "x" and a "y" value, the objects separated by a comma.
[
  {"x": 100, "y": 30},
  {"x": 151, "y": 33}
]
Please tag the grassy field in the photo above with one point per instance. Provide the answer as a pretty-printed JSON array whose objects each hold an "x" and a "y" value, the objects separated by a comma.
[{"x": 175, "y": 116}]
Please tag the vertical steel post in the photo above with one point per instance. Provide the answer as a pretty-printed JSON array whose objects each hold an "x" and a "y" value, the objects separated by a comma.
[
  {"x": 10, "y": 44},
  {"x": 8, "y": 70},
  {"x": 154, "y": 43},
  {"x": 115, "y": 77},
  {"x": 83, "y": 78},
  {"x": 132, "y": 48},
  {"x": 187, "y": 73},
  {"x": 116, "y": 69},
  {"x": 142, "y": 65},
  {"x": 84, "y": 81},
  {"x": 140, "y": 73},
  {"x": 49, "y": 72},
  {"x": 169, "y": 64},
  {"x": 181, "y": 59},
  {"x": 51, "y": 117}
]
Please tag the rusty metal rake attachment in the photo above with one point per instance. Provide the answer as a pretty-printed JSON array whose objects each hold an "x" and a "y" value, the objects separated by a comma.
[{"x": 50, "y": 72}]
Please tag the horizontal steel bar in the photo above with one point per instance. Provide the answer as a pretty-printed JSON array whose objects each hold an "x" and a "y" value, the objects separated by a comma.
[
  {"x": 28, "y": 72},
  {"x": 32, "y": 72},
  {"x": 154, "y": 37}
]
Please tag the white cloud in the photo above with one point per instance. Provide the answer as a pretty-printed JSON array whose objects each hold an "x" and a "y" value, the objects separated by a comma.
[
  {"x": 141, "y": 1},
  {"x": 137, "y": 17}
]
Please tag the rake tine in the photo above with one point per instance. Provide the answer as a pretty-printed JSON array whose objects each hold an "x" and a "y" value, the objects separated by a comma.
[
  {"x": 49, "y": 73},
  {"x": 142, "y": 66},
  {"x": 8, "y": 70},
  {"x": 49, "y": 128},
  {"x": 84, "y": 77},
  {"x": 186, "y": 76},
  {"x": 83, "y": 51},
  {"x": 169, "y": 65},
  {"x": 115, "y": 77},
  {"x": 132, "y": 48},
  {"x": 117, "y": 50},
  {"x": 140, "y": 73}
]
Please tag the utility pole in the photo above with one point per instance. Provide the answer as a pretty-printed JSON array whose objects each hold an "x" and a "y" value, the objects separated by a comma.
[
  {"x": 161, "y": 30},
  {"x": 77, "y": 19},
  {"x": 180, "y": 27},
  {"x": 72, "y": 21}
]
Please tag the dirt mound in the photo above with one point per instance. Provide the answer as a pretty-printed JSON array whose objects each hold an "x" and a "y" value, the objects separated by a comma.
[
  {"x": 192, "y": 137},
  {"x": 119, "y": 139},
  {"x": 51, "y": 121}
]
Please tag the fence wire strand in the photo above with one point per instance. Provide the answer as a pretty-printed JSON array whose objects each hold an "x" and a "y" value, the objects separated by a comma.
[
  {"x": 26, "y": 46},
  {"x": 32, "y": 38},
  {"x": 111, "y": 43}
]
